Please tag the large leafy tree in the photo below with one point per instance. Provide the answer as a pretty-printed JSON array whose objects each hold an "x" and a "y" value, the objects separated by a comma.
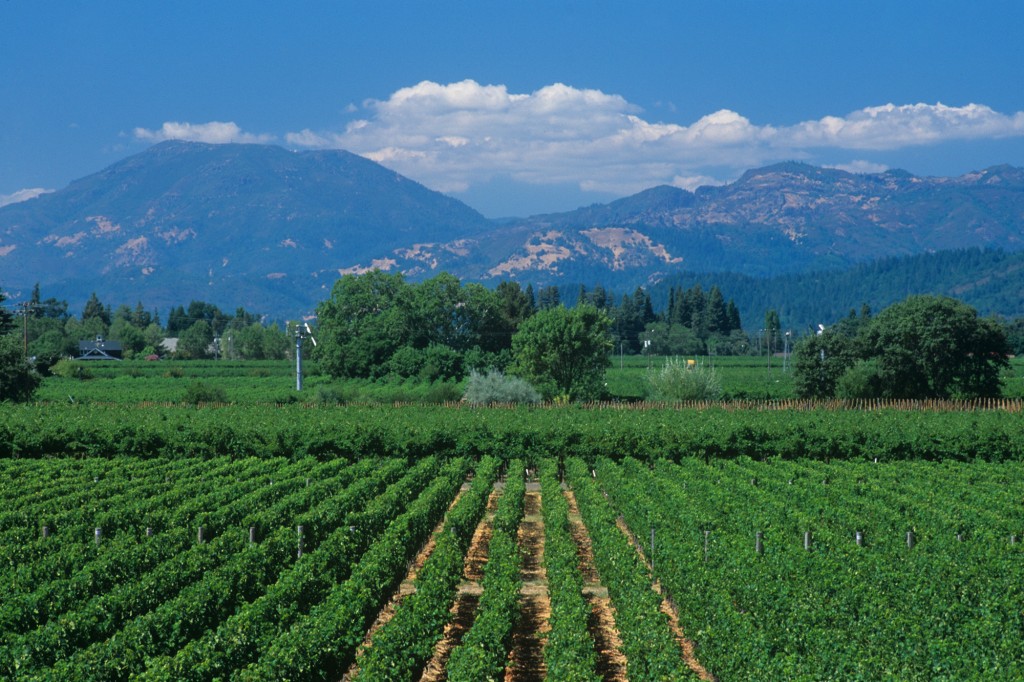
[
  {"x": 18, "y": 380},
  {"x": 820, "y": 360},
  {"x": 367, "y": 318},
  {"x": 937, "y": 347},
  {"x": 194, "y": 343},
  {"x": 6, "y": 319},
  {"x": 564, "y": 352},
  {"x": 441, "y": 314},
  {"x": 922, "y": 347},
  {"x": 514, "y": 306}
]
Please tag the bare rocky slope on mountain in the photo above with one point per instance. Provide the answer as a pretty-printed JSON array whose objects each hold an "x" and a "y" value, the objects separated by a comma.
[{"x": 270, "y": 229}]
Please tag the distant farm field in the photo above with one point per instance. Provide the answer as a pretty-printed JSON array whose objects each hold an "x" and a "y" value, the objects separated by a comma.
[{"x": 742, "y": 377}]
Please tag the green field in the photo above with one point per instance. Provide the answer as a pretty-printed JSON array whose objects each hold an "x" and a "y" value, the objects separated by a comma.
[
  {"x": 246, "y": 382},
  {"x": 191, "y": 568},
  {"x": 171, "y": 548}
]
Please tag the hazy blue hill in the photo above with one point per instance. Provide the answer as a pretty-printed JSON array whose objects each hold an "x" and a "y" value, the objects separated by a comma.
[
  {"x": 989, "y": 280},
  {"x": 219, "y": 220},
  {"x": 272, "y": 230}
]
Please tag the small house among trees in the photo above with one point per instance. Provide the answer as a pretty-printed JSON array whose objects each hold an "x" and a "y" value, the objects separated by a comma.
[{"x": 99, "y": 349}]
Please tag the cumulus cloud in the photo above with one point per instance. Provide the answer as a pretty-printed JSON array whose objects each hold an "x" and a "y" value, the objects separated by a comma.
[
  {"x": 22, "y": 195},
  {"x": 892, "y": 127},
  {"x": 859, "y": 166},
  {"x": 452, "y": 136},
  {"x": 214, "y": 132}
]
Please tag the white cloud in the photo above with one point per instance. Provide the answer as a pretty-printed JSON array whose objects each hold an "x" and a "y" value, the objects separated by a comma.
[
  {"x": 22, "y": 195},
  {"x": 893, "y": 127},
  {"x": 859, "y": 166},
  {"x": 214, "y": 132},
  {"x": 455, "y": 136}
]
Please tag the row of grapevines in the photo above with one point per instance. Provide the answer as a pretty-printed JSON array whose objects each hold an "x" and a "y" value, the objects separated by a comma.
[
  {"x": 68, "y": 570},
  {"x": 124, "y": 558},
  {"x": 483, "y": 652},
  {"x": 206, "y": 604},
  {"x": 942, "y": 610},
  {"x": 297, "y": 431},
  {"x": 55, "y": 484},
  {"x": 63, "y": 555},
  {"x": 322, "y": 644},
  {"x": 405, "y": 643},
  {"x": 651, "y": 652},
  {"x": 240, "y": 638},
  {"x": 105, "y": 614},
  {"x": 87, "y": 506},
  {"x": 569, "y": 652},
  {"x": 171, "y": 505}
]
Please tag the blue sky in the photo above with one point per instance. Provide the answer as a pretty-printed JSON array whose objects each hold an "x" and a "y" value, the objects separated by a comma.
[{"x": 518, "y": 107}]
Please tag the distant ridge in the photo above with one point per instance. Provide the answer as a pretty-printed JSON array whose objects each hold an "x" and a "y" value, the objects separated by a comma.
[
  {"x": 271, "y": 230},
  {"x": 253, "y": 225},
  {"x": 989, "y": 280}
]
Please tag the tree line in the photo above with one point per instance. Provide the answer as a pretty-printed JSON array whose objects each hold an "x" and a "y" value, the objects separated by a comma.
[
  {"x": 378, "y": 324},
  {"x": 50, "y": 331}
]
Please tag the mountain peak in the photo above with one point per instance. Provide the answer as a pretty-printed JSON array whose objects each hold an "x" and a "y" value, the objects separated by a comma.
[
  {"x": 789, "y": 169},
  {"x": 242, "y": 224},
  {"x": 271, "y": 229}
]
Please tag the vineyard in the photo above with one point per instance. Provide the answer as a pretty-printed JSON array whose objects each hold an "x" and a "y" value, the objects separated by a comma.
[{"x": 470, "y": 566}]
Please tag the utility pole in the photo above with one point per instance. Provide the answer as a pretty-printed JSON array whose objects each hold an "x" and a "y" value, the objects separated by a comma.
[
  {"x": 26, "y": 308},
  {"x": 302, "y": 330}
]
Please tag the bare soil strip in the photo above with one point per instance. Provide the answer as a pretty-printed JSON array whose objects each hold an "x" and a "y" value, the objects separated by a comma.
[
  {"x": 611, "y": 662},
  {"x": 526, "y": 660},
  {"x": 668, "y": 607},
  {"x": 468, "y": 597},
  {"x": 406, "y": 587}
]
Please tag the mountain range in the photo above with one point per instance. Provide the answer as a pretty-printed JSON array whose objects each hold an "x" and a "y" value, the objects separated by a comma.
[{"x": 271, "y": 230}]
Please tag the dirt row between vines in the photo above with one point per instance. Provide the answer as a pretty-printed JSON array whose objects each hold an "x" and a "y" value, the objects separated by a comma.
[
  {"x": 526, "y": 660},
  {"x": 668, "y": 607},
  {"x": 611, "y": 662}
]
